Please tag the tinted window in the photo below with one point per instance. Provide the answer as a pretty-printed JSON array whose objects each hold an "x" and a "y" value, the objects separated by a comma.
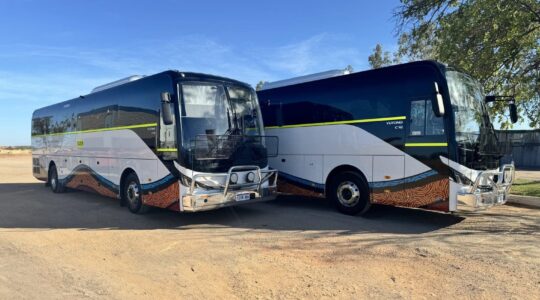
[
  {"x": 271, "y": 113},
  {"x": 422, "y": 119},
  {"x": 418, "y": 117},
  {"x": 434, "y": 125},
  {"x": 363, "y": 95},
  {"x": 130, "y": 104},
  {"x": 371, "y": 94}
]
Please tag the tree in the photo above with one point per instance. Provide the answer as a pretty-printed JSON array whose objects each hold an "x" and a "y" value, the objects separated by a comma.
[
  {"x": 379, "y": 58},
  {"x": 496, "y": 41},
  {"x": 260, "y": 85}
]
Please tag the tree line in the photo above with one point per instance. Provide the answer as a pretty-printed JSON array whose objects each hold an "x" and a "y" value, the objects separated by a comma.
[{"x": 495, "y": 41}]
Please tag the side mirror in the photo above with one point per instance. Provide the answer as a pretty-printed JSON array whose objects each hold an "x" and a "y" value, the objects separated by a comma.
[
  {"x": 490, "y": 98},
  {"x": 513, "y": 112},
  {"x": 166, "y": 112},
  {"x": 439, "y": 103}
]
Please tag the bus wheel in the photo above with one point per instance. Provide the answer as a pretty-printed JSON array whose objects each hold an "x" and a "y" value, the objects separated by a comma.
[
  {"x": 54, "y": 183},
  {"x": 350, "y": 193},
  {"x": 132, "y": 195}
]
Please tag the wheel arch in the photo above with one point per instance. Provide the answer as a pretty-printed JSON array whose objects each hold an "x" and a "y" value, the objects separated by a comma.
[
  {"x": 142, "y": 208},
  {"x": 49, "y": 167},
  {"x": 342, "y": 169},
  {"x": 125, "y": 173}
]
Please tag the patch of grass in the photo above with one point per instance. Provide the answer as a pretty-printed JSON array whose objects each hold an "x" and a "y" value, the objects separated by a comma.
[{"x": 526, "y": 187}]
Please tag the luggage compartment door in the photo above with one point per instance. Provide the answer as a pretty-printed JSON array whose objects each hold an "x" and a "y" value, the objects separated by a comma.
[{"x": 388, "y": 168}]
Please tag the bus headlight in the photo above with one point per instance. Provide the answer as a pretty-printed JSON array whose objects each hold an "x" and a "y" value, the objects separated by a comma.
[
  {"x": 250, "y": 177},
  {"x": 233, "y": 178}
]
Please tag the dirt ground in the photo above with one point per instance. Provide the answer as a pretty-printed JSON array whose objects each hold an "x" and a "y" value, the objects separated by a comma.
[
  {"x": 80, "y": 245},
  {"x": 6, "y": 151}
]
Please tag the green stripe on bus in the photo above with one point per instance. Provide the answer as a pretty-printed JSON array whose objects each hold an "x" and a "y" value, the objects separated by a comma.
[
  {"x": 341, "y": 122},
  {"x": 426, "y": 144},
  {"x": 166, "y": 149},
  {"x": 100, "y": 129}
]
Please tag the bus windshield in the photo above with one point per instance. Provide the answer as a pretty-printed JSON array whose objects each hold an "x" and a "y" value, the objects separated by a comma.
[
  {"x": 474, "y": 131},
  {"x": 221, "y": 127},
  {"x": 210, "y": 109},
  {"x": 204, "y": 111},
  {"x": 468, "y": 106}
]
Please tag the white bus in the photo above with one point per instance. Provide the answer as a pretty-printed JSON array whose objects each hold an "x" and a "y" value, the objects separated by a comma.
[
  {"x": 176, "y": 140},
  {"x": 414, "y": 135}
]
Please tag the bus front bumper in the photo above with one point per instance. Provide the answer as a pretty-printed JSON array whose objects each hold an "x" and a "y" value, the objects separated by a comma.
[
  {"x": 490, "y": 188},
  {"x": 228, "y": 194},
  {"x": 202, "y": 202}
]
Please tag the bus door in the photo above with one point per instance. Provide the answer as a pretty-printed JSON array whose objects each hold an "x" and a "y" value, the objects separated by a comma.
[{"x": 425, "y": 134}]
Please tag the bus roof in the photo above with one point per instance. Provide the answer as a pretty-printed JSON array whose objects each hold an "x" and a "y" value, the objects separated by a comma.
[
  {"x": 334, "y": 73},
  {"x": 173, "y": 74},
  {"x": 304, "y": 78}
]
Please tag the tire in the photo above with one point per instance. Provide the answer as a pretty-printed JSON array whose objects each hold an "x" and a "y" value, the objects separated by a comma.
[
  {"x": 132, "y": 195},
  {"x": 350, "y": 193},
  {"x": 54, "y": 183}
]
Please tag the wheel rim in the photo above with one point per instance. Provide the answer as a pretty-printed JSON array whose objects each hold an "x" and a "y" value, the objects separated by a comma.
[
  {"x": 132, "y": 194},
  {"x": 348, "y": 194}
]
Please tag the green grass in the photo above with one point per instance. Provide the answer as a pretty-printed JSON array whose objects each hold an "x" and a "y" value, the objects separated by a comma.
[{"x": 526, "y": 187}]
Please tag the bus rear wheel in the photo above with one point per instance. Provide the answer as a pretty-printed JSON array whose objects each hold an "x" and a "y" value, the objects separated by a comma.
[
  {"x": 54, "y": 183},
  {"x": 350, "y": 193},
  {"x": 132, "y": 195}
]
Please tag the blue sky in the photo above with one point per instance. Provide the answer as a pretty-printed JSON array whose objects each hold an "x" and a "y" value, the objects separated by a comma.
[{"x": 52, "y": 51}]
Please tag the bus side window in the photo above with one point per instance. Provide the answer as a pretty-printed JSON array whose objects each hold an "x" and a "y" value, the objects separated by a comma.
[
  {"x": 272, "y": 113},
  {"x": 423, "y": 120},
  {"x": 434, "y": 125},
  {"x": 418, "y": 117},
  {"x": 279, "y": 114}
]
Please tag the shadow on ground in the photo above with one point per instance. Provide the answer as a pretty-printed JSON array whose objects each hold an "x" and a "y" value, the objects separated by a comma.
[{"x": 32, "y": 205}]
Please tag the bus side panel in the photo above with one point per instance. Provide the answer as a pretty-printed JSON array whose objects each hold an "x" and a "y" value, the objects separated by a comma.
[
  {"x": 89, "y": 170},
  {"x": 421, "y": 187},
  {"x": 294, "y": 178},
  {"x": 429, "y": 193},
  {"x": 364, "y": 163},
  {"x": 414, "y": 177},
  {"x": 166, "y": 196},
  {"x": 84, "y": 177},
  {"x": 159, "y": 187},
  {"x": 93, "y": 139},
  {"x": 39, "y": 161}
]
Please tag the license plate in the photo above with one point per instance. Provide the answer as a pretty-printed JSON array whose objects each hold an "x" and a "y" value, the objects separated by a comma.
[{"x": 243, "y": 197}]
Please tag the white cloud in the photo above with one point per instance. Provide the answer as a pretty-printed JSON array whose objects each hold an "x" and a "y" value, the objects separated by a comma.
[
  {"x": 200, "y": 54},
  {"x": 318, "y": 53},
  {"x": 33, "y": 76},
  {"x": 34, "y": 89}
]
